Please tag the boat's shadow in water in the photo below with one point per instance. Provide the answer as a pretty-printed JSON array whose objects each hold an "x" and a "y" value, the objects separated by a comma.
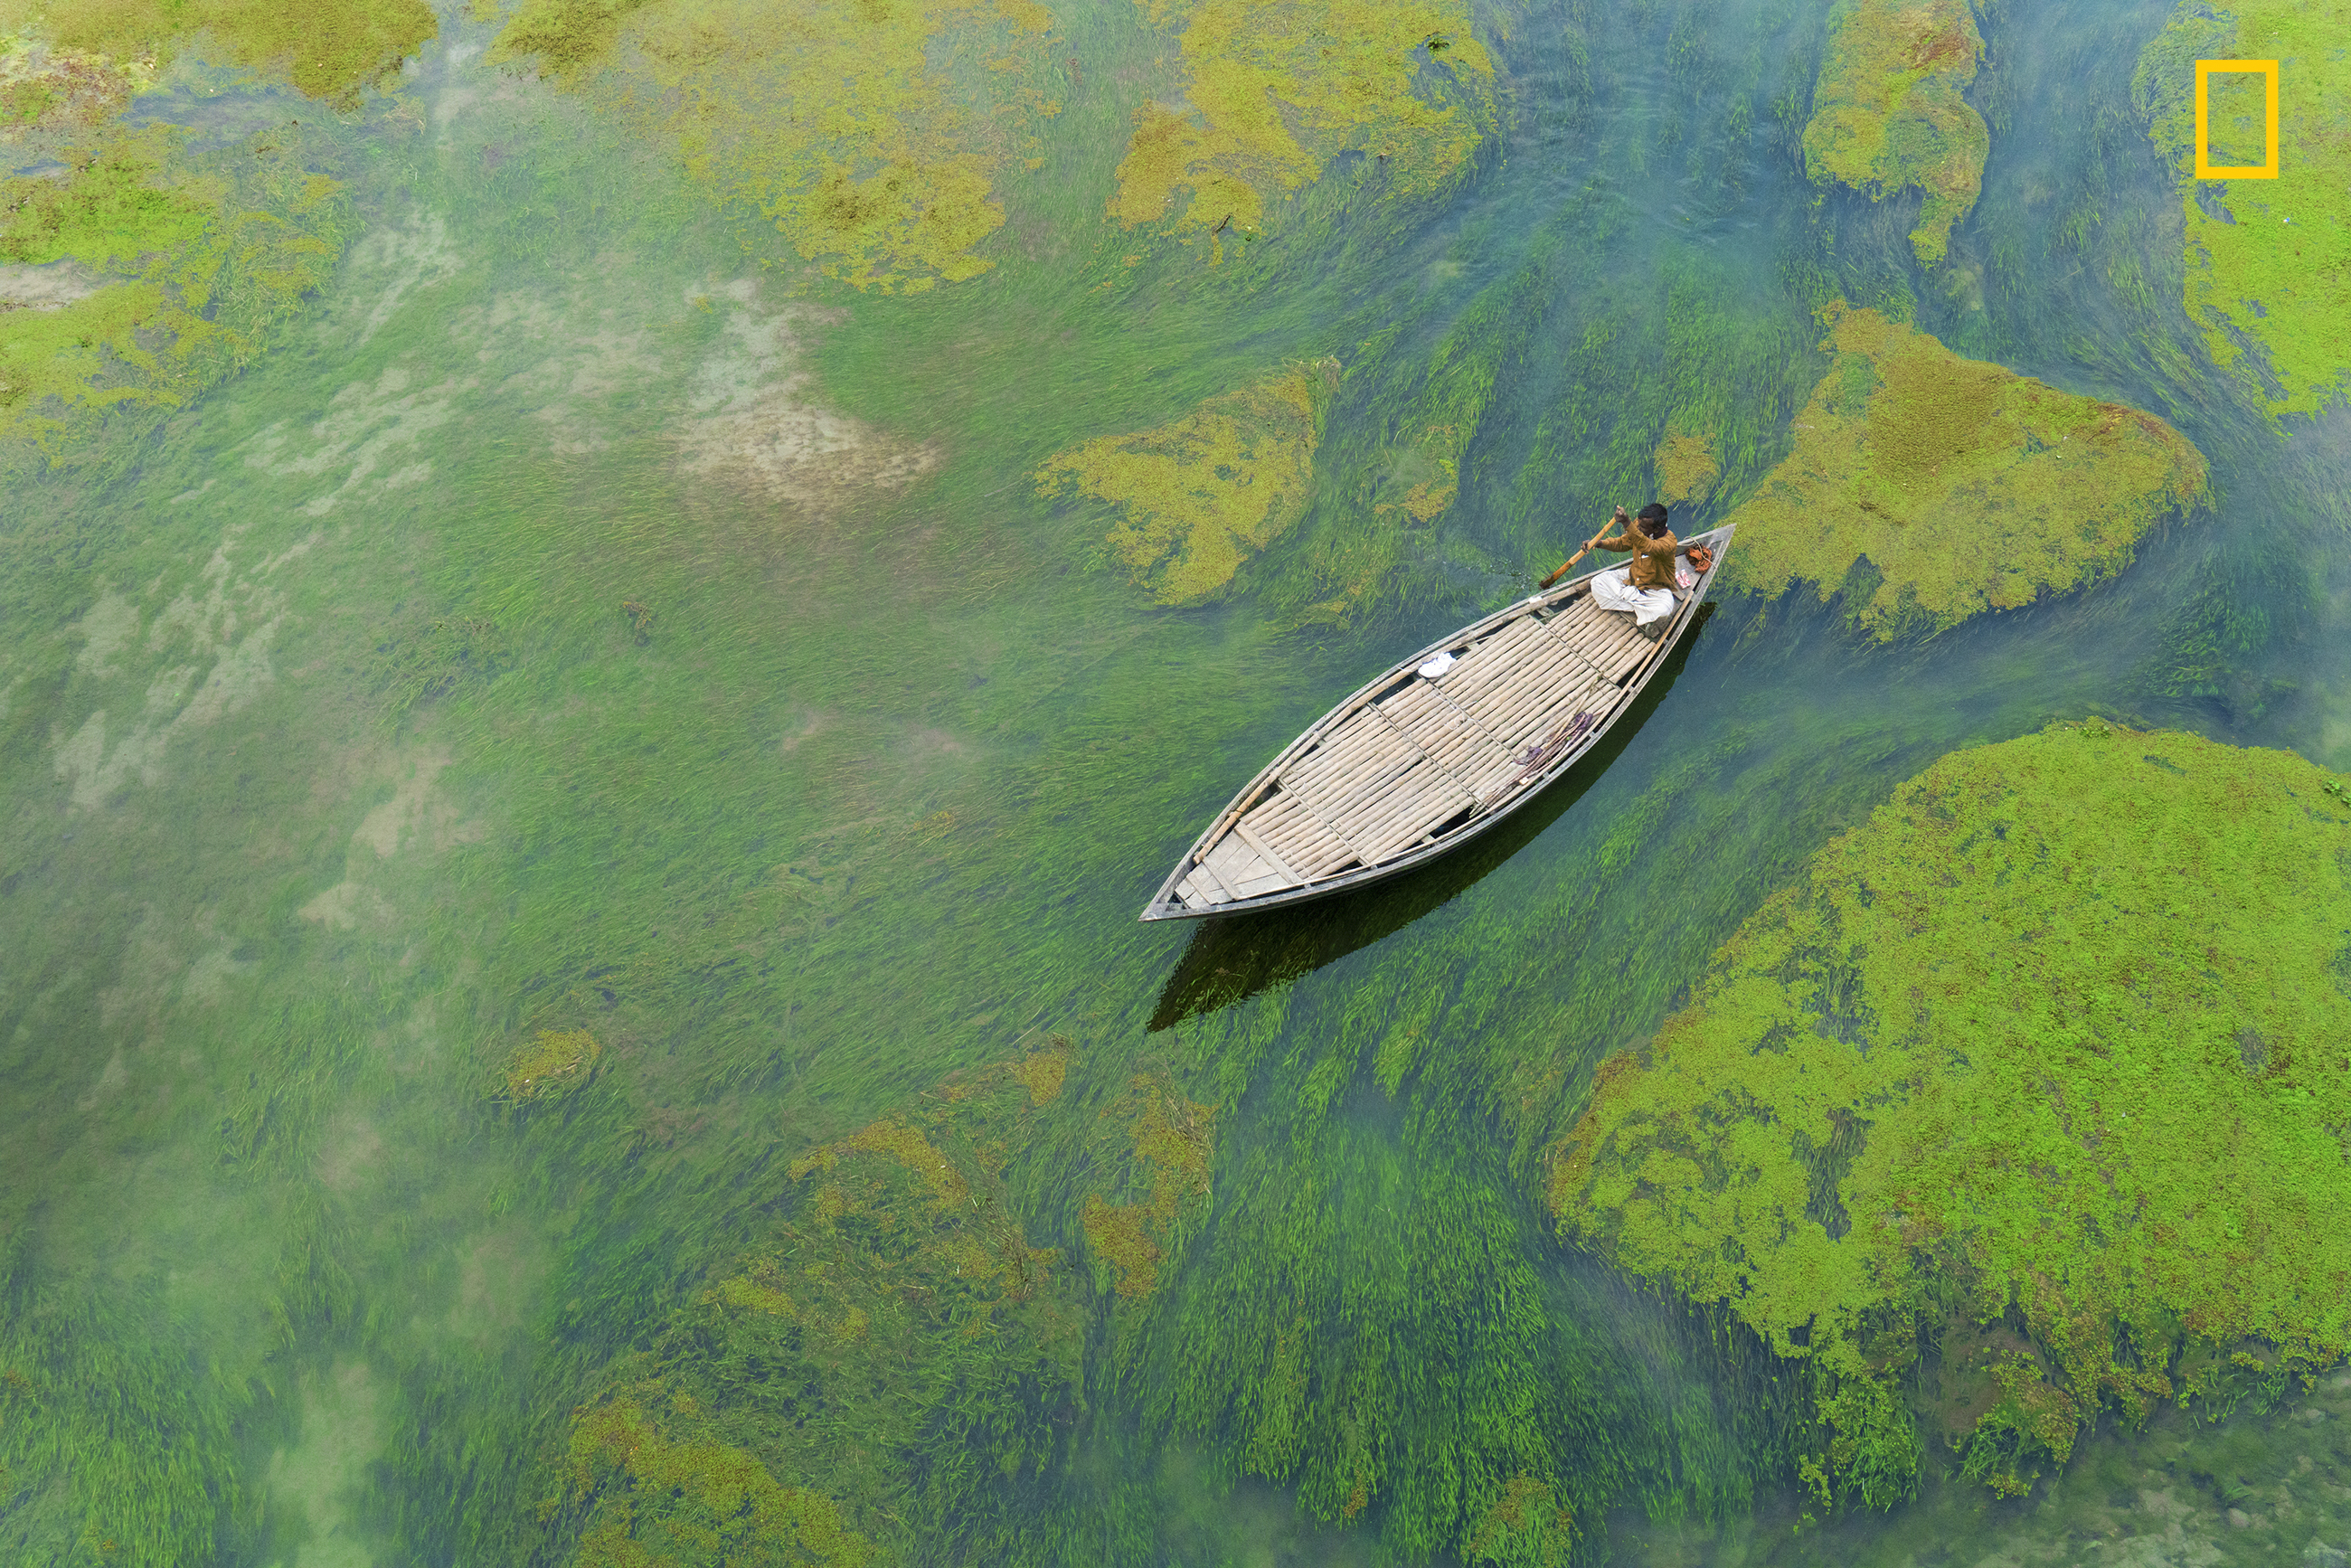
[{"x": 1234, "y": 958}]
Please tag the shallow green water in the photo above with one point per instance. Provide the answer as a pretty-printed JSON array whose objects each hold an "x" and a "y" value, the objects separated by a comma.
[{"x": 336, "y": 768}]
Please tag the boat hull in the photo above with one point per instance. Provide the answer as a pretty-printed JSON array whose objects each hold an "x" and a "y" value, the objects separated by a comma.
[{"x": 1530, "y": 690}]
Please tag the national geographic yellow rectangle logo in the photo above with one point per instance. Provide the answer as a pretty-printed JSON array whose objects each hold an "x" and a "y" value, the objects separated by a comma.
[{"x": 2268, "y": 71}]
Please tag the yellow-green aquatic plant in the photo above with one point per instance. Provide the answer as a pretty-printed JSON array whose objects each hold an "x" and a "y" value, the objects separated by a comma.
[
  {"x": 1198, "y": 497},
  {"x": 2265, "y": 259},
  {"x": 2057, "y": 1038},
  {"x": 1527, "y": 1525},
  {"x": 892, "y": 1326},
  {"x": 1932, "y": 487},
  {"x": 44, "y": 88},
  {"x": 1273, "y": 92},
  {"x": 666, "y": 1501},
  {"x": 1887, "y": 114},
  {"x": 161, "y": 270},
  {"x": 1172, "y": 1139},
  {"x": 327, "y": 48},
  {"x": 1429, "y": 472},
  {"x": 551, "y": 1063},
  {"x": 870, "y": 133},
  {"x": 1687, "y": 467},
  {"x": 170, "y": 271}
]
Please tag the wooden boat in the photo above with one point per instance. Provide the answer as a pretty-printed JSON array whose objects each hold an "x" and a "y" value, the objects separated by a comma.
[{"x": 1429, "y": 753}]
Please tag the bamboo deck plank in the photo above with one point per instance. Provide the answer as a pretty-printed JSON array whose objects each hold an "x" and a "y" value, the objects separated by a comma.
[
  {"x": 1496, "y": 708},
  {"x": 1330, "y": 798},
  {"x": 1546, "y": 665},
  {"x": 1534, "y": 719},
  {"x": 1490, "y": 658},
  {"x": 1510, "y": 787},
  {"x": 1235, "y": 862},
  {"x": 1427, "y": 788},
  {"x": 1449, "y": 737},
  {"x": 1611, "y": 643},
  {"x": 1357, "y": 739},
  {"x": 1542, "y": 648},
  {"x": 1344, "y": 799},
  {"x": 1557, "y": 669},
  {"x": 1308, "y": 842},
  {"x": 1360, "y": 825},
  {"x": 1283, "y": 815},
  {"x": 1439, "y": 763},
  {"x": 1468, "y": 719},
  {"x": 1406, "y": 827},
  {"x": 1333, "y": 790},
  {"x": 1333, "y": 752},
  {"x": 1368, "y": 812},
  {"x": 1624, "y": 656},
  {"x": 1617, "y": 663},
  {"x": 1580, "y": 640},
  {"x": 1210, "y": 886},
  {"x": 1581, "y": 615},
  {"x": 1598, "y": 646},
  {"x": 1493, "y": 657},
  {"x": 1267, "y": 853},
  {"x": 1314, "y": 835},
  {"x": 1536, "y": 725},
  {"x": 1536, "y": 649}
]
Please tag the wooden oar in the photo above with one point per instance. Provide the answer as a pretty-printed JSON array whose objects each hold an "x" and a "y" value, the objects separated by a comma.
[{"x": 1614, "y": 522}]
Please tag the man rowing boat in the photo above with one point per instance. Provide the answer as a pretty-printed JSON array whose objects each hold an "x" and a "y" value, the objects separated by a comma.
[
  {"x": 1645, "y": 585},
  {"x": 1649, "y": 586}
]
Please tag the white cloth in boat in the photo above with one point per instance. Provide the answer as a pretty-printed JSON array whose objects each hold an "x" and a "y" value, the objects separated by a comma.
[{"x": 1614, "y": 590}]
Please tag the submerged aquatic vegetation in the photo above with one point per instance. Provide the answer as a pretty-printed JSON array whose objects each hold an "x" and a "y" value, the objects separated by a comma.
[
  {"x": 888, "y": 1357},
  {"x": 1199, "y": 496},
  {"x": 1370, "y": 1319},
  {"x": 1429, "y": 472},
  {"x": 185, "y": 263},
  {"x": 730, "y": 836},
  {"x": 2267, "y": 262},
  {"x": 1272, "y": 93},
  {"x": 44, "y": 88},
  {"x": 673, "y": 1501},
  {"x": 1687, "y": 468},
  {"x": 1887, "y": 114},
  {"x": 327, "y": 48},
  {"x": 147, "y": 271},
  {"x": 427, "y": 666},
  {"x": 1930, "y": 488},
  {"x": 550, "y": 1063},
  {"x": 2038, "y": 1075},
  {"x": 872, "y": 136},
  {"x": 752, "y": 425},
  {"x": 1172, "y": 1139}
]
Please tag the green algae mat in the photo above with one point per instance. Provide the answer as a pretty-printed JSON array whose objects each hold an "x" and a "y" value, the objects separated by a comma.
[
  {"x": 1990, "y": 1055},
  {"x": 610, "y": 605}
]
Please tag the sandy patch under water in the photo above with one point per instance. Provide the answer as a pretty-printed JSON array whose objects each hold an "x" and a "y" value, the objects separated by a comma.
[
  {"x": 752, "y": 424},
  {"x": 205, "y": 655}
]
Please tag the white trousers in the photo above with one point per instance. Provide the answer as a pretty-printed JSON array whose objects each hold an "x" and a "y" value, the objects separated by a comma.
[{"x": 1614, "y": 590}]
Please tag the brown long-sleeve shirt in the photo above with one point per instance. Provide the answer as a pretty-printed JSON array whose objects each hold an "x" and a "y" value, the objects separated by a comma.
[{"x": 1653, "y": 560}]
